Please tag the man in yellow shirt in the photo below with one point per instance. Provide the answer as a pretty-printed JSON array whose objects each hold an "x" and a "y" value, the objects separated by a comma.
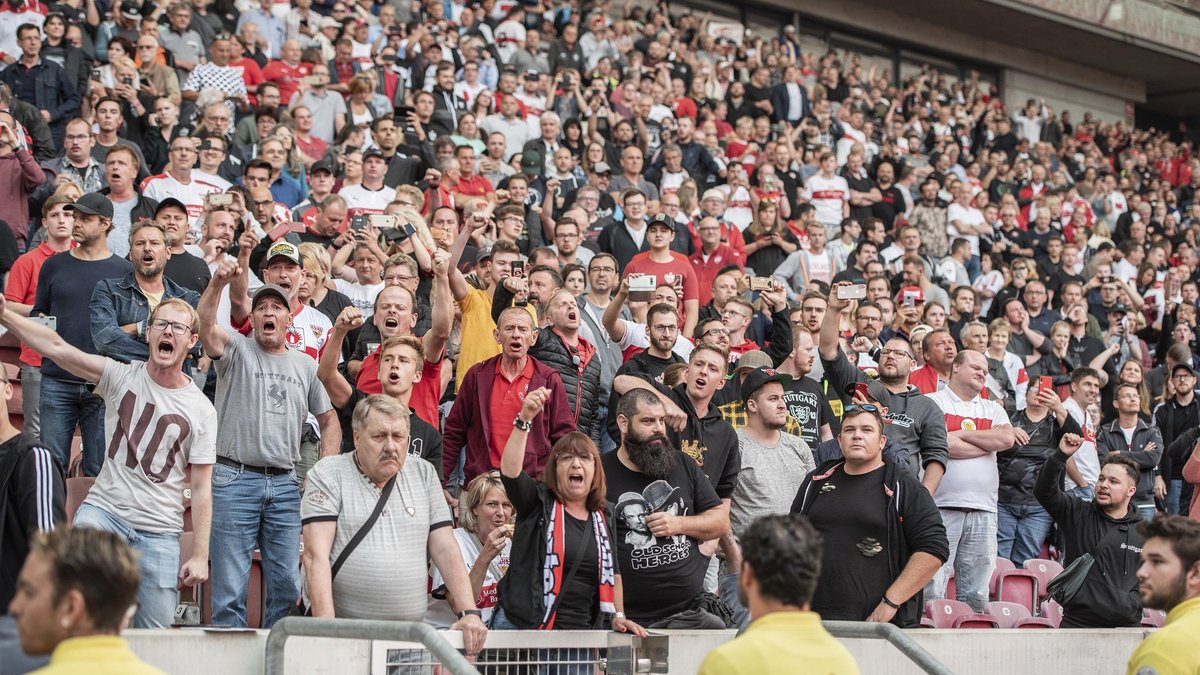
[
  {"x": 1169, "y": 579},
  {"x": 781, "y": 561},
  {"x": 75, "y": 594}
]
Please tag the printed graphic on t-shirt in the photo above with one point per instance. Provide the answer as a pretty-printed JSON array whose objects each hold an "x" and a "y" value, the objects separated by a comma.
[{"x": 631, "y": 511}]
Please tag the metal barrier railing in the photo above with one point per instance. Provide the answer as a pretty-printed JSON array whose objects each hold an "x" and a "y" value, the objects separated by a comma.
[
  {"x": 898, "y": 639},
  {"x": 448, "y": 658}
]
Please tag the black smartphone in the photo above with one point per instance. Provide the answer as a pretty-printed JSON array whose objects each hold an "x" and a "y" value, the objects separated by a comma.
[
  {"x": 358, "y": 222},
  {"x": 395, "y": 235}
]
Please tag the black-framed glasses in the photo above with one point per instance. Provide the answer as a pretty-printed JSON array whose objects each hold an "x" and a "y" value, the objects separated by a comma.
[{"x": 175, "y": 327}]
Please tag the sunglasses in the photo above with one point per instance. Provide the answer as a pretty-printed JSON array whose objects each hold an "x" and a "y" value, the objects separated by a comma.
[{"x": 861, "y": 406}]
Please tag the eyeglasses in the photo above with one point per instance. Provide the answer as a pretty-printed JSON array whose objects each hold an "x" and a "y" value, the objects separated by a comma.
[
  {"x": 713, "y": 332},
  {"x": 730, "y": 312},
  {"x": 176, "y": 328},
  {"x": 867, "y": 407},
  {"x": 604, "y": 270},
  {"x": 665, "y": 328},
  {"x": 268, "y": 202},
  {"x": 895, "y": 352},
  {"x": 80, "y": 137}
]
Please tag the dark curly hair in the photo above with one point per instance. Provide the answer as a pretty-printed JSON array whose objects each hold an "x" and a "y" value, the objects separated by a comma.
[
  {"x": 1182, "y": 533},
  {"x": 784, "y": 552}
]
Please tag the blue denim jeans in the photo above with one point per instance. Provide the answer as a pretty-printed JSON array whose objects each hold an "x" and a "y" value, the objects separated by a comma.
[
  {"x": 728, "y": 587},
  {"x": 579, "y": 661},
  {"x": 1084, "y": 492},
  {"x": 1020, "y": 531},
  {"x": 972, "y": 539},
  {"x": 1174, "y": 488},
  {"x": 252, "y": 510},
  {"x": 1146, "y": 510},
  {"x": 158, "y": 558},
  {"x": 65, "y": 404},
  {"x": 974, "y": 268},
  {"x": 607, "y": 444}
]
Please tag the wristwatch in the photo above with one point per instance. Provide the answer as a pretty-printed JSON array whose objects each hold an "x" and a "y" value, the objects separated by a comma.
[
  {"x": 521, "y": 424},
  {"x": 618, "y": 615},
  {"x": 465, "y": 612}
]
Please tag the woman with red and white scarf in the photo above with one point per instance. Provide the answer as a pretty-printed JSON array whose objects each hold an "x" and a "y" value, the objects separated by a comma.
[{"x": 562, "y": 569}]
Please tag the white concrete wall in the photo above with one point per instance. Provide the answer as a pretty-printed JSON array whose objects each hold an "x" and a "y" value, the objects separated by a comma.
[
  {"x": 970, "y": 652},
  {"x": 1019, "y": 86}
]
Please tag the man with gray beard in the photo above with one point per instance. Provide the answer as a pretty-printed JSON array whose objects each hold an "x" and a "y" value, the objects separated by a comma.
[{"x": 663, "y": 507}]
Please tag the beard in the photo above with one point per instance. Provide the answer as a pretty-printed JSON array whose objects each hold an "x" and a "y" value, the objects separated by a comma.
[
  {"x": 1166, "y": 599},
  {"x": 653, "y": 455}
]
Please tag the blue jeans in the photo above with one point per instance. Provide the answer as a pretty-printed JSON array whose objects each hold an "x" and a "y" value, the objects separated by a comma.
[
  {"x": 1020, "y": 531},
  {"x": 728, "y": 587},
  {"x": 607, "y": 444},
  {"x": 1083, "y": 492},
  {"x": 1146, "y": 510},
  {"x": 252, "y": 510},
  {"x": 1174, "y": 489},
  {"x": 579, "y": 661},
  {"x": 65, "y": 404},
  {"x": 158, "y": 558},
  {"x": 974, "y": 268},
  {"x": 972, "y": 539}
]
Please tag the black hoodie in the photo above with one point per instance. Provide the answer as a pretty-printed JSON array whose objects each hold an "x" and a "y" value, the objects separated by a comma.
[
  {"x": 709, "y": 440},
  {"x": 1109, "y": 596}
]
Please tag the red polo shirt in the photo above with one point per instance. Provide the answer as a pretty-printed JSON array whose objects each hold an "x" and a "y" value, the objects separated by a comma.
[
  {"x": 506, "y": 400},
  {"x": 286, "y": 76}
]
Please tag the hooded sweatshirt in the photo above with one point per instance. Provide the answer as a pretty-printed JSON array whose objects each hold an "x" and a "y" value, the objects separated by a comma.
[
  {"x": 1109, "y": 596},
  {"x": 709, "y": 440}
]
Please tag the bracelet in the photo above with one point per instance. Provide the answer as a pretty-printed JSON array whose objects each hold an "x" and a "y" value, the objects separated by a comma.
[
  {"x": 521, "y": 424},
  {"x": 465, "y": 612},
  {"x": 618, "y": 615},
  {"x": 889, "y": 603}
]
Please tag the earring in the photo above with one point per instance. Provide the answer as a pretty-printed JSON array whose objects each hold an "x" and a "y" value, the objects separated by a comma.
[{"x": 66, "y": 623}]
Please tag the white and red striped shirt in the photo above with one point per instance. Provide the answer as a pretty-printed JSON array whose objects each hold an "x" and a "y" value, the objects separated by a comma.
[
  {"x": 192, "y": 194},
  {"x": 827, "y": 195},
  {"x": 969, "y": 483}
]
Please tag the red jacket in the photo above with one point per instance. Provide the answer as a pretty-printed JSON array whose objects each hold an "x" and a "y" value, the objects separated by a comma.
[
  {"x": 722, "y": 256},
  {"x": 469, "y": 425}
]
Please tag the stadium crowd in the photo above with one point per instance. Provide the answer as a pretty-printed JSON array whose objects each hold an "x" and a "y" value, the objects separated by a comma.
[{"x": 500, "y": 288}]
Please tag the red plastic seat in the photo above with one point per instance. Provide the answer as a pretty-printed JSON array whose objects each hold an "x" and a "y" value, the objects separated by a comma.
[
  {"x": 1002, "y": 565},
  {"x": 1153, "y": 618},
  {"x": 976, "y": 621},
  {"x": 1045, "y": 571},
  {"x": 77, "y": 491},
  {"x": 1007, "y": 613},
  {"x": 1018, "y": 586},
  {"x": 1052, "y": 612},
  {"x": 945, "y": 613}
]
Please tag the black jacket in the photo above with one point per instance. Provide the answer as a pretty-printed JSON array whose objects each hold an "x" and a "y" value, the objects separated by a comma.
[
  {"x": 1109, "y": 596},
  {"x": 144, "y": 208},
  {"x": 615, "y": 239},
  {"x": 1110, "y": 438},
  {"x": 1171, "y": 418},
  {"x": 32, "y": 498},
  {"x": 914, "y": 524},
  {"x": 1019, "y": 467}
]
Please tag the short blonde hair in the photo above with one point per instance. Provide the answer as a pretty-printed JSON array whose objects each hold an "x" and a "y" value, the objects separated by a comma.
[
  {"x": 476, "y": 491},
  {"x": 315, "y": 260},
  {"x": 183, "y": 306}
]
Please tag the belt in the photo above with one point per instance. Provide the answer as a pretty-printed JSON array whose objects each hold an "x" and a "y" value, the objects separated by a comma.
[{"x": 266, "y": 470}]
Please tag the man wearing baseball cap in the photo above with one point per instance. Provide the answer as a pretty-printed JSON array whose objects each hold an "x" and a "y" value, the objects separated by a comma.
[
  {"x": 266, "y": 395},
  {"x": 371, "y": 195},
  {"x": 183, "y": 268},
  {"x": 63, "y": 293},
  {"x": 777, "y": 463},
  {"x": 322, "y": 176},
  {"x": 668, "y": 267}
]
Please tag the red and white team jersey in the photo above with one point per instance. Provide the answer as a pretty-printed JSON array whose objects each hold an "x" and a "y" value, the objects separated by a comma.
[
  {"x": 738, "y": 210},
  {"x": 308, "y": 333},
  {"x": 360, "y": 200},
  {"x": 827, "y": 196},
  {"x": 969, "y": 483},
  {"x": 192, "y": 194}
]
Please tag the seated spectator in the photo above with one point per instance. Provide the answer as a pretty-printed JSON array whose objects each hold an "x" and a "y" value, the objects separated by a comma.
[
  {"x": 779, "y": 571},
  {"x": 77, "y": 586},
  {"x": 1104, "y": 529},
  {"x": 485, "y": 542}
]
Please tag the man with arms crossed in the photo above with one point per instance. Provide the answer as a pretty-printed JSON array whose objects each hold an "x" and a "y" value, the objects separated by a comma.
[{"x": 157, "y": 423}]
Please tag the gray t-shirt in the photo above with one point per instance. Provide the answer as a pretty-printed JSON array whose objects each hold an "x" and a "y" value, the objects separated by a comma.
[
  {"x": 118, "y": 238},
  {"x": 770, "y": 478},
  {"x": 385, "y": 577},
  {"x": 153, "y": 434},
  {"x": 264, "y": 399},
  {"x": 324, "y": 110}
]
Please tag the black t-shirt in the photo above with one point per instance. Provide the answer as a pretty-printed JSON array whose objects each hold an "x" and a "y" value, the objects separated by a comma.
[
  {"x": 581, "y": 592},
  {"x": 887, "y": 208},
  {"x": 188, "y": 271},
  {"x": 424, "y": 440},
  {"x": 855, "y": 569},
  {"x": 807, "y": 403},
  {"x": 642, "y": 362},
  {"x": 659, "y": 576},
  {"x": 766, "y": 259}
]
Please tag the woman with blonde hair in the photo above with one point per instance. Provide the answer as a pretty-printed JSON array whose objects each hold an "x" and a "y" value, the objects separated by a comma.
[
  {"x": 484, "y": 538},
  {"x": 768, "y": 239}
]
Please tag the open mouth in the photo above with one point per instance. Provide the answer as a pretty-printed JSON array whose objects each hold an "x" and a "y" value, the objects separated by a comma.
[
  {"x": 700, "y": 382},
  {"x": 148, "y": 259},
  {"x": 165, "y": 348},
  {"x": 393, "y": 377},
  {"x": 572, "y": 316},
  {"x": 575, "y": 479},
  {"x": 391, "y": 322},
  {"x": 516, "y": 345},
  {"x": 268, "y": 326}
]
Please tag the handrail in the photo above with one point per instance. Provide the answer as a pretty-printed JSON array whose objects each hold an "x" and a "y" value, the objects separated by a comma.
[
  {"x": 358, "y": 629},
  {"x": 898, "y": 638}
]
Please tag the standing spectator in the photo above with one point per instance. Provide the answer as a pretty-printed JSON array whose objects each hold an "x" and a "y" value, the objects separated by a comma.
[
  {"x": 781, "y": 564},
  {"x": 21, "y": 290},
  {"x": 121, "y": 168},
  {"x": 1174, "y": 417},
  {"x": 271, "y": 29},
  {"x": 77, "y": 586},
  {"x": 977, "y": 429},
  {"x": 218, "y": 74},
  {"x": 120, "y": 309},
  {"x": 386, "y": 580},
  {"x": 829, "y": 193},
  {"x": 159, "y": 78},
  {"x": 328, "y": 108},
  {"x": 1022, "y": 524},
  {"x": 711, "y": 257},
  {"x": 837, "y": 498},
  {"x": 184, "y": 43},
  {"x": 287, "y": 71},
  {"x": 41, "y": 82},
  {"x": 184, "y": 269},
  {"x": 625, "y": 239},
  {"x": 66, "y": 398},
  {"x": 177, "y": 180},
  {"x": 803, "y": 395},
  {"x": 966, "y": 221},
  {"x": 774, "y": 465},
  {"x": 1129, "y": 435},
  {"x": 21, "y": 175},
  {"x": 138, "y": 493},
  {"x": 1083, "y": 404},
  {"x": 75, "y": 163},
  {"x": 256, "y": 496},
  {"x": 663, "y": 509},
  {"x": 668, "y": 267},
  {"x": 1106, "y": 530},
  {"x": 801, "y": 267},
  {"x": 1167, "y": 580},
  {"x": 490, "y": 393}
]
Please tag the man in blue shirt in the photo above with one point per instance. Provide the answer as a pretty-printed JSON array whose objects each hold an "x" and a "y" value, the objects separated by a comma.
[{"x": 28, "y": 78}]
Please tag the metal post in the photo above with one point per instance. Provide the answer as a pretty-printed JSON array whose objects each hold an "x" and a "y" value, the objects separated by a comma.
[
  {"x": 358, "y": 629},
  {"x": 898, "y": 638}
]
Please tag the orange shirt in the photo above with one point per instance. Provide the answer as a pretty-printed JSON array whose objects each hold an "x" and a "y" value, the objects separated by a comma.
[
  {"x": 22, "y": 288},
  {"x": 507, "y": 397}
]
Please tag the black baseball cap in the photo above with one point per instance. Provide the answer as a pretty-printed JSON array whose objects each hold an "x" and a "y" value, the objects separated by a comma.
[
  {"x": 662, "y": 220},
  {"x": 169, "y": 201},
  {"x": 758, "y": 377},
  {"x": 325, "y": 165},
  {"x": 93, "y": 203},
  {"x": 1118, "y": 308}
]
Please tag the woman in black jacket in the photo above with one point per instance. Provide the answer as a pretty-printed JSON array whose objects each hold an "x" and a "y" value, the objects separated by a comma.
[{"x": 574, "y": 585}]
